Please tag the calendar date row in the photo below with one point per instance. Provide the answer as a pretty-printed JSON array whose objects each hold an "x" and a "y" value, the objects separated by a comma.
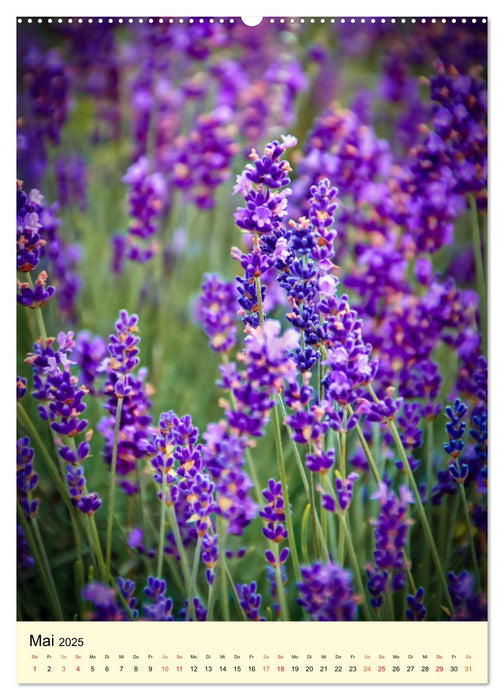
[{"x": 305, "y": 668}]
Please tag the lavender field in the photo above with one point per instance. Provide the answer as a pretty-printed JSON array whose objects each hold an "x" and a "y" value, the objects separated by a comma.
[{"x": 251, "y": 320}]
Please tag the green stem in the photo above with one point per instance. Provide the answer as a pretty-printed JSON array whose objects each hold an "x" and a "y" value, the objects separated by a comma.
[
  {"x": 420, "y": 508},
  {"x": 79, "y": 565},
  {"x": 480, "y": 270},
  {"x": 38, "y": 315},
  {"x": 96, "y": 546},
  {"x": 36, "y": 545},
  {"x": 343, "y": 454},
  {"x": 367, "y": 451},
  {"x": 284, "y": 610},
  {"x": 211, "y": 601},
  {"x": 182, "y": 553},
  {"x": 162, "y": 526},
  {"x": 443, "y": 528},
  {"x": 86, "y": 525},
  {"x": 45, "y": 454},
  {"x": 422, "y": 514},
  {"x": 430, "y": 471},
  {"x": 192, "y": 586},
  {"x": 328, "y": 485},
  {"x": 248, "y": 452},
  {"x": 299, "y": 461},
  {"x": 430, "y": 479},
  {"x": 79, "y": 585},
  {"x": 343, "y": 474},
  {"x": 306, "y": 484},
  {"x": 285, "y": 492},
  {"x": 411, "y": 580},
  {"x": 236, "y": 597},
  {"x": 313, "y": 511},
  {"x": 390, "y": 605},
  {"x": 77, "y": 519},
  {"x": 258, "y": 285},
  {"x": 141, "y": 495},
  {"x": 469, "y": 534},
  {"x": 323, "y": 516},
  {"x": 304, "y": 533},
  {"x": 222, "y": 567},
  {"x": 355, "y": 565},
  {"x": 112, "y": 484},
  {"x": 47, "y": 567},
  {"x": 253, "y": 473}
]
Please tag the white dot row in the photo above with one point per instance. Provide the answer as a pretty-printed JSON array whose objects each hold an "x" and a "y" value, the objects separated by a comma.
[{"x": 272, "y": 20}]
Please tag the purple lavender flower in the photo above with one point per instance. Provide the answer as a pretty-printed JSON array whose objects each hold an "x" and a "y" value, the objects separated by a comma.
[
  {"x": 377, "y": 585},
  {"x": 127, "y": 589},
  {"x": 200, "y": 496},
  {"x": 224, "y": 457},
  {"x": 178, "y": 461},
  {"x": 29, "y": 238},
  {"x": 271, "y": 572},
  {"x": 349, "y": 360},
  {"x": 87, "y": 503},
  {"x": 103, "y": 598},
  {"x": 261, "y": 184},
  {"x": 250, "y": 600},
  {"x": 344, "y": 490},
  {"x": 216, "y": 311},
  {"x": 468, "y": 604},
  {"x": 200, "y": 612},
  {"x": 63, "y": 257},
  {"x": 135, "y": 424},
  {"x": 347, "y": 152},
  {"x": 155, "y": 588},
  {"x": 35, "y": 296},
  {"x": 46, "y": 77},
  {"x": 61, "y": 405},
  {"x": 30, "y": 244},
  {"x": 27, "y": 478},
  {"x": 38, "y": 238},
  {"x": 42, "y": 109},
  {"x": 459, "y": 119},
  {"x": 24, "y": 559},
  {"x": 135, "y": 540},
  {"x": 210, "y": 555},
  {"x": 89, "y": 353},
  {"x": 267, "y": 354},
  {"x": 106, "y": 608},
  {"x": 320, "y": 462},
  {"x": 383, "y": 410},
  {"x": 204, "y": 157},
  {"x": 146, "y": 200},
  {"x": 161, "y": 607},
  {"x": 455, "y": 429},
  {"x": 20, "y": 387},
  {"x": 135, "y": 429},
  {"x": 274, "y": 512},
  {"x": 416, "y": 609},
  {"x": 326, "y": 592},
  {"x": 407, "y": 422},
  {"x": 273, "y": 515},
  {"x": 391, "y": 530},
  {"x": 135, "y": 420},
  {"x": 268, "y": 366},
  {"x": 122, "y": 347},
  {"x": 70, "y": 174}
]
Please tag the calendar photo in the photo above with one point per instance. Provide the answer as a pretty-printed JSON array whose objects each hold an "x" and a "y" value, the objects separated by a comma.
[{"x": 251, "y": 337}]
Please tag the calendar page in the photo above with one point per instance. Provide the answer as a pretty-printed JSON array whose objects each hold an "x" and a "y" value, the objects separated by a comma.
[{"x": 251, "y": 350}]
